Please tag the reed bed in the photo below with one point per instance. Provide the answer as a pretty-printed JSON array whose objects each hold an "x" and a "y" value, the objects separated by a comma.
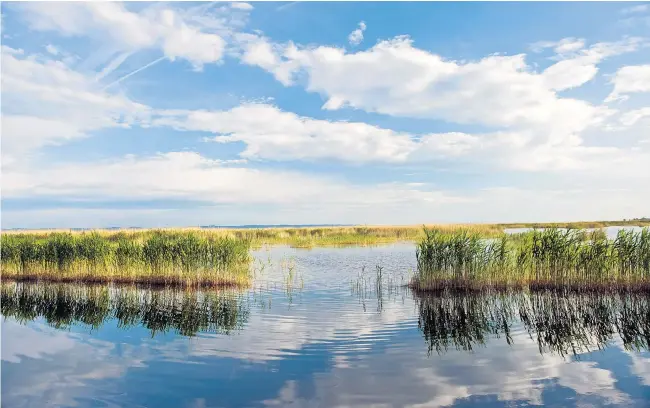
[
  {"x": 303, "y": 237},
  {"x": 183, "y": 311},
  {"x": 306, "y": 237},
  {"x": 160, "y": 257},
  {"x": 561, "y": 323},
  {"x": 538, "y": 259}
]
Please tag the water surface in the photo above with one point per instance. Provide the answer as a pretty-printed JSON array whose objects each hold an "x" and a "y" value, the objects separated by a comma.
[{"x": 319, "y": 328}]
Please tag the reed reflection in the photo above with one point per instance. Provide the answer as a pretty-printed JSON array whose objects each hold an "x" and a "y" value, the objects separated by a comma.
[
  {"x": 184, "y": 311},
  {"x": 560, "y": 322}
]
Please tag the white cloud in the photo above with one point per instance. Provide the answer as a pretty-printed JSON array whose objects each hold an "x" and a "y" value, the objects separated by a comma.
[
  {"x": 23, "y": 133},
  {"x": 578, "y": 65},
  {"x": 563, "y": 46},
  {"x": 395, "y": 78},
  {"x": 271, "y": 133},
  {"x": 52, "y": 49},
  {"x": 524, "y": 121},
  {"x": 632, "y": 117},
  {"x": 630, "y": 79},
  {"x": 641, "y": 8},
  {"x": 356, "y": 36},
  {"x": 537, "y": 129},
  {"x": 187, "y": 175},
  {"x": 261, "y": 52},
  {"x": 636, "y": 16},
  {"x": 45, "y": 102},
  {"x": 241, "y": 5},
  {"x": 186, "y": 34}
]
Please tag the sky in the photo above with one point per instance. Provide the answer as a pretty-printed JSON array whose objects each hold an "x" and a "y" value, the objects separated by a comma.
[{"x": 182, "y": 114}]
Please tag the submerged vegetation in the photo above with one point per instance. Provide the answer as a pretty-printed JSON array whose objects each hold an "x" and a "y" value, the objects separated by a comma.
[
  {"x": 186, "y": 312},
  {"x": 563, "y": 323},
  {"x": 536, "y": 259},
  {"x": 161, "y": 257}
]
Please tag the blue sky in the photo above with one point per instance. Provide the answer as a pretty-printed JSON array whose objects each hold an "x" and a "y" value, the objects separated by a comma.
[{"x": 175, "y": 114}]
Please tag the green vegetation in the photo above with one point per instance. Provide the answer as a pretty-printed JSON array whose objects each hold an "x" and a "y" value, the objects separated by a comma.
[
  {"x": 160, "y": 257},
  {"x": 562, "y": 323},
  {"x": 186, "y": 312},
  {"x": 536, "y": 259},
  {"x": 638, "y": 222},
  {"x": 296, "y": 237},
  {"x": 306, "y": 237}
]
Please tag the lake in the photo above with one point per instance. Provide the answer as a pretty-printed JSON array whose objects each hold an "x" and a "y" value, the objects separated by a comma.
[{"x": 326, "y": 327}]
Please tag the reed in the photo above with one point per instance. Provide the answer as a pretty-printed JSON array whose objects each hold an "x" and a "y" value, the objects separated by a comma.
[
  {"x": 160, "y": 257},
  {"x": 306, "y": 237},
  {"x": 303, "y": 237},
  {"x": 186, "y": 312},
  {"x": 535, "y": 259}
]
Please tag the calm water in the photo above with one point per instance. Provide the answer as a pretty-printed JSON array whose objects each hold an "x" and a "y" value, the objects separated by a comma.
[{"x": 319, "y": 330}]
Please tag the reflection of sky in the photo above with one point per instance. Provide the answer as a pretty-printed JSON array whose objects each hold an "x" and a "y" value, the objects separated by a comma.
[{"x": 320, "y": 349}]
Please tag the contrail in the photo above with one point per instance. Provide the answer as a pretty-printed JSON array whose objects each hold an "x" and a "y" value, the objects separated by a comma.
[
  {"x": 113, "y": 65},
  {"x": 287, "y": 5},
  {"x": 117, "y": 81}
]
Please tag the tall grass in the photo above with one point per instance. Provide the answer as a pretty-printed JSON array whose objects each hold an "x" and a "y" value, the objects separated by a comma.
[
  {"x": 538, "y": 259},
  {"x": 302, "y": 237},
  {"x": 336, "y": 236},
  {"x": 161, "y": 257}
]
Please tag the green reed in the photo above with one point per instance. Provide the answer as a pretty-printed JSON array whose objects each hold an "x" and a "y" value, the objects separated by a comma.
[
  {"x": 538, "y": 258},
  {"x": 186, "y": 312},
  {"x": 164, "y": 257}
]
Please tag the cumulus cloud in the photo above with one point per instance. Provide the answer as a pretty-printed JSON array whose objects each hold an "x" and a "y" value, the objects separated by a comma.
[
  {"x": 270, "y": 133},
  {"x": 630, "y": 79},
  {"x": 537, "y": 127},
  {"x": 356, "y": 36},
  {"x": 398, "y": 79},
  {"x": 578, "y": 65}
]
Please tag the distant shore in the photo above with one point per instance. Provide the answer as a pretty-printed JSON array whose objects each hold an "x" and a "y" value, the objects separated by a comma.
[{"x": 331, "y": 235}]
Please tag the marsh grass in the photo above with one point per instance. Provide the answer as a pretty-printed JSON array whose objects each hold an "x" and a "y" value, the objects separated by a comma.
[
  {"x": 160, "y": 257},
  {"x": 379, "y": 286},
  {"x": 304, "y": 237},
  {"x": 184, "y": 311},
  {"x": 538, "y": 259}
]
